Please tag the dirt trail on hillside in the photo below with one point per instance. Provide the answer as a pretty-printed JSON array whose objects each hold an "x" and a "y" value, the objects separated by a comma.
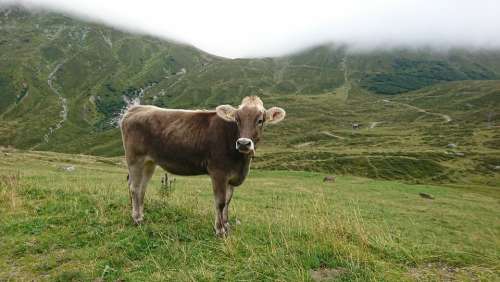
[
  {"x": 278, "y": 75},
  {"x": 344, "y": 67},
  {"x": 373, "y": 124},
  {"x": 446, "y": 118},
  {"x": 342, "y": 92},
  {"x": 63, "y": 114},
  {"x": 332, "y": 135},
  {"x": 347, "y": 82}
]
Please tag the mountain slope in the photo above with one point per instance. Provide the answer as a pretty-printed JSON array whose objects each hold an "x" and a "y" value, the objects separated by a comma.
[
  {"x": 399, "y": 71},
  {"x": 51, "y": 62},
  {"x": 64, "y": 82}
]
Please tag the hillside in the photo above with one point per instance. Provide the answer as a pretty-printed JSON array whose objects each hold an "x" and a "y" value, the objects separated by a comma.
[
  {"x": 63, "y": 83},
  {"x": 64, "y": 80}
]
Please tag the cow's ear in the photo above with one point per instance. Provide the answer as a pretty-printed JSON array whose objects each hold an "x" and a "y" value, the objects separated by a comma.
[
  {"x": 275, "y": 115},
  {"x": 226, "y": 112}
]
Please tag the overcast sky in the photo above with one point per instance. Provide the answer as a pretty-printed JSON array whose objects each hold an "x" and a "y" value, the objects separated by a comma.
[{"x": 252, "y": 28}]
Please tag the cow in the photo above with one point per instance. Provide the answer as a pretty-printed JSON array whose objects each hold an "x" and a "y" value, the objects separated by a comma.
[{"x": 219, "y": 143}]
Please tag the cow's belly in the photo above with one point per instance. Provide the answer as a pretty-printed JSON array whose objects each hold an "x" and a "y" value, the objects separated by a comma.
[
  {"x": 179, "y": 158},
  {"x": 181, "y": 167}
]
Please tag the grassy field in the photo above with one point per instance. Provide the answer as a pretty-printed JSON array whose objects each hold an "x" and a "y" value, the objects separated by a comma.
[
  {"x": 429, "y": 124},
  {"x": 60, "y": 225}
]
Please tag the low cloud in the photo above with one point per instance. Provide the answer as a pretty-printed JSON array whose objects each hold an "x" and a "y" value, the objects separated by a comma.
[{"x": 270, "y": 28}]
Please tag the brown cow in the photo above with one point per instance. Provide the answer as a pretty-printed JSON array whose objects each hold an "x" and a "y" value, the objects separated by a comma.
[{"x": 220, "y": 143}]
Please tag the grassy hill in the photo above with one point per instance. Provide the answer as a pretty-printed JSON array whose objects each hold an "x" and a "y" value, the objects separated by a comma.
[
  {"x": 60, "y": 225},
  {"x": 91, "y": 67},
  {"x": 64, "y": 82}
]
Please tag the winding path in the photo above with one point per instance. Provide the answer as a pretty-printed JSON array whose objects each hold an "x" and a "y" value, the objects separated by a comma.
[
  {"x": 446, "y": 118},
  {"x": 332, "y": 135}
]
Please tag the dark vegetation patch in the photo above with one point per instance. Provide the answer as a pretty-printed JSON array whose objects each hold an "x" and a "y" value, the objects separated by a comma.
[
  {"x": 492, "y": 144},
  {"x": 51, "y": 53},
  {"x": 487, "y": 165},
  {"x": 7, "y": 91},
  {"x": 407, "y": 75}
]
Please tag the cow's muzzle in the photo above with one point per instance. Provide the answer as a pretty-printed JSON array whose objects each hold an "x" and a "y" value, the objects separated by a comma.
[{"x": 245, "y": 146}]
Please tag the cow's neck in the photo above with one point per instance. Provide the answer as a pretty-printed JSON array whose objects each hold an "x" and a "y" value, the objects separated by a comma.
[
  {"x": 242, "y": 170},
  {"x": 245, "y": 168}
]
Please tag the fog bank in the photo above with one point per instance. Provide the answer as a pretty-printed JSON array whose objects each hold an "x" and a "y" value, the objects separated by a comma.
[{"x": 271, "y": 28}]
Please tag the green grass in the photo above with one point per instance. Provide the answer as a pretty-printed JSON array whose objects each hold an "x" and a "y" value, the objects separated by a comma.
[{"x": 58, "y": 226}]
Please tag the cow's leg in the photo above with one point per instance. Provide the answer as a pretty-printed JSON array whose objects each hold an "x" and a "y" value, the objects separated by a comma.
[
  {"x": 147, "y": 173},
  {"x": 134, "y": 181},
  {"x": 225, "y": 212},
  {"x": 140, "y": 173},
  {"x": 220, "y": 186}
]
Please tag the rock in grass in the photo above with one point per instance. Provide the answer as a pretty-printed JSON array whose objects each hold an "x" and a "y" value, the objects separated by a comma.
[
  {"x": 68, "y": 168},
  {"x": 452, "y": 145},
  {"x": 329, "y": 178},
  {"x": 426, "y": 196}
]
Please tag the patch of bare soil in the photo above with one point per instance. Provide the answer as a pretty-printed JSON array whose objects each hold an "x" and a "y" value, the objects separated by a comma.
[
  {"x": 327, "y": 274},
  {"x": 443, "y": 272}
]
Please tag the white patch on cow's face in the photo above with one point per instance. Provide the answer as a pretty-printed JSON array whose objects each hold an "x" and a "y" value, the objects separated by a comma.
[
  {"x": 245, "y": 146},
  {"x": 275, "y": 115},
  {"x": 226, "y": 112}
]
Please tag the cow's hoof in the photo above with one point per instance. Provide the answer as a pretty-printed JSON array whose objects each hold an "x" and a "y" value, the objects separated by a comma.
[
  {"x": 138, "y": 220},
  {"x": 221, "y": 232}
]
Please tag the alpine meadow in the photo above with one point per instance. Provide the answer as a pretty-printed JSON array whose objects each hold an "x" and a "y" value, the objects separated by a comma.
[{"x": 385, "y": 168}]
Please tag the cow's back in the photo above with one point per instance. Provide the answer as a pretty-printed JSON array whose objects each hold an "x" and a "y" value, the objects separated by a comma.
[{"x": 177, "y": 140}]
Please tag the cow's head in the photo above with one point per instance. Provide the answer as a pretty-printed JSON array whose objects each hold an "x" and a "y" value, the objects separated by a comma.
[{"x": 250, "y": 118}]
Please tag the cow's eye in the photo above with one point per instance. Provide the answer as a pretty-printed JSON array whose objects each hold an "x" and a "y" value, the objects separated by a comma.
[{"x": 260, "y": 121}]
